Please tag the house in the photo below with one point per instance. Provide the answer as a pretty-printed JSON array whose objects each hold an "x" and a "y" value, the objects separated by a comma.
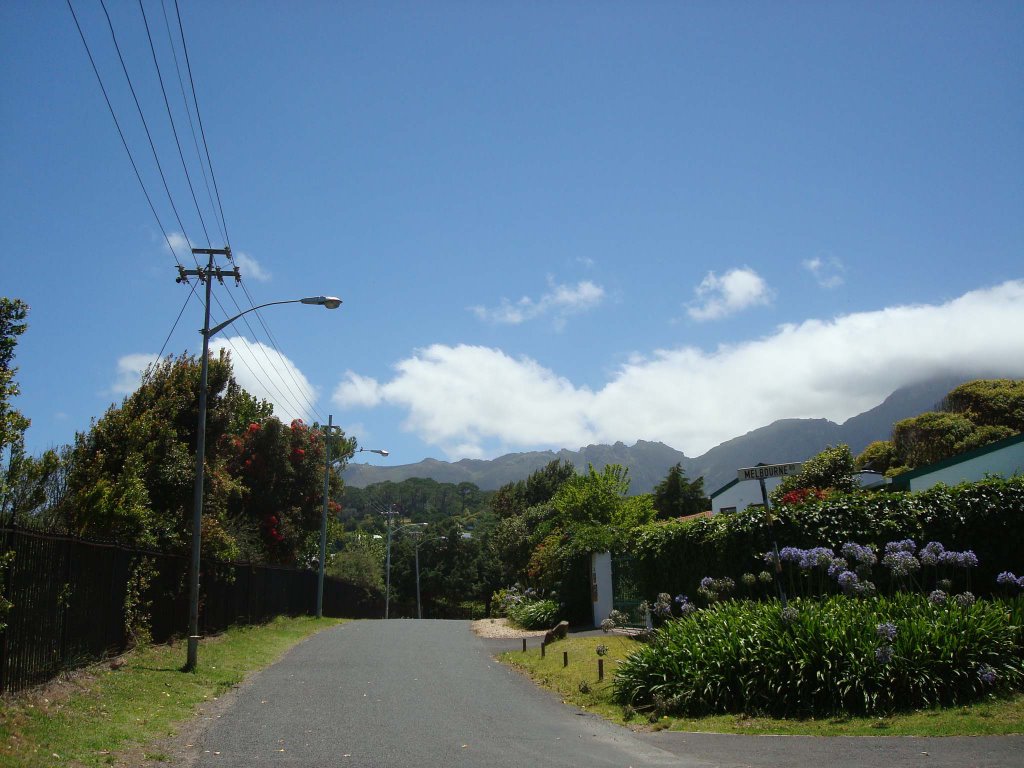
[
  {"x": 735, "y": 496},
  {"x": 1004, "y": 458}
]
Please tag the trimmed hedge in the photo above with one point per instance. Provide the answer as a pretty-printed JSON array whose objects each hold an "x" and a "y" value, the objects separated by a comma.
[{"x": 986, "y": 517}]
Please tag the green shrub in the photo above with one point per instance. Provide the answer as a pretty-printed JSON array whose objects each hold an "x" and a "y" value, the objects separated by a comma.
[
  {"x": 534, "y": 614},
  {"x": 986, "y": 517},
  {"x": 837, "y": 656}
]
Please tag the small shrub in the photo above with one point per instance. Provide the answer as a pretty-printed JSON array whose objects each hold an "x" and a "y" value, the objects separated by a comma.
[{"x": 534, "y": 614}]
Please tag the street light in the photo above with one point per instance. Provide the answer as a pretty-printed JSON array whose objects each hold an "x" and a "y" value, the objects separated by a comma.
[
  {"x": 417, "y": 540},
  {"x": 390, "y": 512},
  {"x": 207, "y": 276},
  {"x": 328, "y": 434}
]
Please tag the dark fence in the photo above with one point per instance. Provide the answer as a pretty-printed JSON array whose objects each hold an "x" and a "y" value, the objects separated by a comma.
[{"x": 76, "y": 601}]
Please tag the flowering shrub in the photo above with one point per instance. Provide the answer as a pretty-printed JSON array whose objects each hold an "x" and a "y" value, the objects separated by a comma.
[{"x": 833, "y": 656}]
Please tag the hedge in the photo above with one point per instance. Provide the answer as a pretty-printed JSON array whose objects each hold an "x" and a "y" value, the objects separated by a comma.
[{"x": 986, "y": 517}]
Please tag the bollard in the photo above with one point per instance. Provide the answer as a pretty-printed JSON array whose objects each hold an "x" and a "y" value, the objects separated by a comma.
[
  {"x": 600, "y": 670},
  {"x": 524, "y": 645},
  {"x": 542, "y": 649},
  {"x": 565, "y": 658}
]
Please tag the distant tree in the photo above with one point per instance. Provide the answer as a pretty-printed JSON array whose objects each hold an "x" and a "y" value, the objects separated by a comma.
[
  {"x": 676, "y": 496},
  {"x": 540, "y": 487}
]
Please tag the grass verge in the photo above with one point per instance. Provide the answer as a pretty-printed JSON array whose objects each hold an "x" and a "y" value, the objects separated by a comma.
[
  {"x": 95, "y": 714},
  {"x": 578, "y": 685}
]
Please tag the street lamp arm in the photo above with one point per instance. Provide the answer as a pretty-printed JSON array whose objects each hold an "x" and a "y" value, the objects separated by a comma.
[{"x": 331, "y": 302}]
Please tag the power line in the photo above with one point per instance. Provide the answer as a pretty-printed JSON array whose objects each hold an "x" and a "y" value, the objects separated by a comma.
[
  {"x": 120, "y": 133},
  {"x": 145, "y": 125},
  {"x": 199, "y": 119},
  {"x": 188, "y": 112},
  {"x": 177, "y": 320},
  {"x": 170, "y": 118}
]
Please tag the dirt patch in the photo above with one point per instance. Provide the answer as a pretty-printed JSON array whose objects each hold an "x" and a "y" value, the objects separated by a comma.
[{"x": 501, "y": 628}]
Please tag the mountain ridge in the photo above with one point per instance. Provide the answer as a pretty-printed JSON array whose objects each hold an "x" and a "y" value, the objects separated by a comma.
[{"x": 649, "y": 461}]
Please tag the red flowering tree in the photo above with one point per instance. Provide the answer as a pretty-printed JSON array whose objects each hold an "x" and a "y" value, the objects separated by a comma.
[{"x": 281, "y": 469}]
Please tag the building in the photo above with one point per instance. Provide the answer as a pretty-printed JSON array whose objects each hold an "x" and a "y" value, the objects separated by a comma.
[{"x": 1003, "y": 458}]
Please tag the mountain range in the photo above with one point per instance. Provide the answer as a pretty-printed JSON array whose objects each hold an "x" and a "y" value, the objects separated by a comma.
[{"x": 649, "y": 462}]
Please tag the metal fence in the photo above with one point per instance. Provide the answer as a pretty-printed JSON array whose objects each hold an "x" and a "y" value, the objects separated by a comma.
[{"x": 77, "y": 601}]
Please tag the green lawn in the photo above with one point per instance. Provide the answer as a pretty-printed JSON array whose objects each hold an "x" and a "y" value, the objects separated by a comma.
[
  {"x": 577, "y": 684},
  {"x": 99, "y": 712}
]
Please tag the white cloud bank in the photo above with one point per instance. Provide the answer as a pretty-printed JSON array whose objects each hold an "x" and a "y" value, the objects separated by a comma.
[
  {"x": 736, "y": 290},
  {"x": 266, "y": 375},
  {"x": 560, "y": 301},
  {"x": 478, "y": 401}
]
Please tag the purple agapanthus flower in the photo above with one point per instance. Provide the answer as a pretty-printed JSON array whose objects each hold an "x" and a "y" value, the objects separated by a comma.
[
  {"x": 931, "y": 553},
  {"x": 860, "y": 553},
  {"x": 789, "y": 614},
  {"x": 1007, "y": 579},
  {"x": 707, "y": 583},
  {"x": 791, "y": 554},
  {"x": 847, "y": 581},
  {"x": 818, "y": 556},
  {"x": 905, "y": 545},
  {"x": 964, "y": 599},
  {"x": 884, "y": 654},
  {"x": 886, "y": 631},
  {"x": 901, "y": 562},
  {"x": 986, "y": 674},
  {"x": 938, "y": 597}
]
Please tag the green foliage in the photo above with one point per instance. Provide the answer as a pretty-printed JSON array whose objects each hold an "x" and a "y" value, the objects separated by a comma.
[
  {"x": 6, "y": 559},
  {"x": 832, "y": 470},
  {"x": 973, "y": 415},
  {"x": 983, "y": 517},
  {"x": 534, "y": 614},
  {"x": 930, "y": 437},
  {"x": 137, "y": 609},
  {"x": 990, "y": 402},
  {"x": 360, "y": 562},
  {"x": 675, "y": 496},
  {"x": 12, "y": 316},
  {"x": 827, "y": 658},
  {"x": 539, "y": 488},
  {"x": 879, "y": 456}
]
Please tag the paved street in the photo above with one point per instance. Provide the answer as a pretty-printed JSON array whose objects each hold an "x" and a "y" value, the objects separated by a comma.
[{"x": 428, "y": 693}]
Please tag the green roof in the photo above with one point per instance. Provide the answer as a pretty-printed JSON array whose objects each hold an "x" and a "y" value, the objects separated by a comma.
[{"x": 902, "y": 481}]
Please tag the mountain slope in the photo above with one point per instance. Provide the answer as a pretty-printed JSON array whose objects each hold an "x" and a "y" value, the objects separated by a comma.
[{"x": 649, "y": 462}]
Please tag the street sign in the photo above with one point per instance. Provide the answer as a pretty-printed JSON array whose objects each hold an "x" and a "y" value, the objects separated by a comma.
[{"x": 769, "y": 470}]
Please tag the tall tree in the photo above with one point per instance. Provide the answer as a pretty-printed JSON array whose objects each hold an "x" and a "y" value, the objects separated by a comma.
[
  {"x": 23, "y": 478},
  {"x": 676, "y": 496}
]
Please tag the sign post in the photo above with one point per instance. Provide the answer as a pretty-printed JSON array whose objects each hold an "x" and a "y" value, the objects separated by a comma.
[{"x": 759, "y": 473}]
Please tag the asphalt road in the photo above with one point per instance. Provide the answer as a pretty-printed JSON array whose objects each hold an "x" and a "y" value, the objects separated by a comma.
[{"x": 429, "y": 693}]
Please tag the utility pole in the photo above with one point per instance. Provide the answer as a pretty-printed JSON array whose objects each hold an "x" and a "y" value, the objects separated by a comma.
[{"x": 205, "y": 276}]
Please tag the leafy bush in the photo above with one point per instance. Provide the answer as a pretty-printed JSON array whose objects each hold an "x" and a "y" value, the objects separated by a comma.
[
  {"x": 984, "y": 517},
  {"x": 534, "y": 614},
  {"x": 831, "y": 657}
]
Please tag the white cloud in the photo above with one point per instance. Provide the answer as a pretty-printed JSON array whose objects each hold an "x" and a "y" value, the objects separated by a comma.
[
  {"x": 560, "y": 301},
  {"x": 129, "y": 372},
  {"x": 734, "y": 291},
  {"x": 266, "y": 375},
  {"x": 358, "y": 390},
  {"x": 250, "y": 268},
  {"x": 827, "y": 271},
  {"x": 479, "y": 401}
]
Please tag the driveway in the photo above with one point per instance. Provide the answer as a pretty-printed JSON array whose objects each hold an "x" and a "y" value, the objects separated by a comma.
[{"x": 429, "y": 693}]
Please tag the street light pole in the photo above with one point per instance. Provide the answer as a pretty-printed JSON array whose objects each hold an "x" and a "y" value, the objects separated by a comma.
[
  {"x": 323, "y": 521},
  {"x": 206, "y": 276},
  {"x": 387, "y": 566},
  {"x": 331, "y": 429}
]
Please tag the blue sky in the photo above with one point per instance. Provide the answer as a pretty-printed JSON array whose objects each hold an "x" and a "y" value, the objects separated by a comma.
[{"x": 552, "y": 224}]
